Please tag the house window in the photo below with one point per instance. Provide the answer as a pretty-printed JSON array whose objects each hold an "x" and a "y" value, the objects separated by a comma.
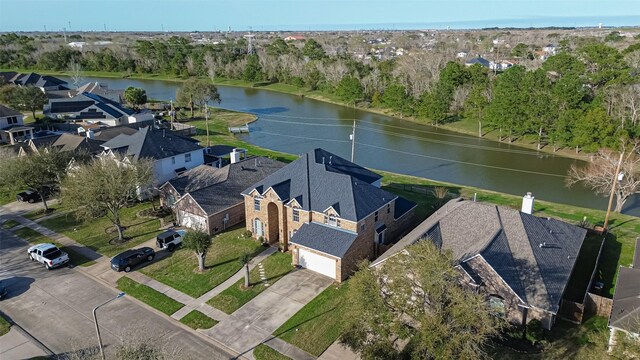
[
  {"x": 331, "y": 220},
  {"x": 12, "y": 120},
  {"x": 388, "y": 208},
  {"x": 296, "y": 215},
  {"x": 187, "y": 157},
  {"x": 496, "y": 305},
  {"x": 380, "y": 238},
  {"x": 362, "y": 227},
  {"x": 256, "y": 204},
  {"x": 375, "y": 217},
  {"x": 173, "y": 160}
]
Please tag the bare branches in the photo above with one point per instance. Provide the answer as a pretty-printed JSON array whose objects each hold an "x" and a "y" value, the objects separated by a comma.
[{"x": 75, "y": 70}]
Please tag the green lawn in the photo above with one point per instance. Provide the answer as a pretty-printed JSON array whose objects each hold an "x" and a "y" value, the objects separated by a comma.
[
  {"x": 231, "y": 299},
  {"x": 4, "y": 326},
  {"x": 319, "y": 323},
  {"x": 100, "y": 235},
  {"x": 180, "y": 270},
  {"x": 263, "y": 352},
  {"x": 197, "y": 320},
  {"x": 35, "y": 237},
  {"x": 149, "y": 296},
  {"x": 39, "y": 213},
  {"x": 9, "y": 224}
]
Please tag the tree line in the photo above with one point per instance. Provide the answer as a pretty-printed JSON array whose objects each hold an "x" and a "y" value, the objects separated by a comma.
[{"x": 585, "y": 97}]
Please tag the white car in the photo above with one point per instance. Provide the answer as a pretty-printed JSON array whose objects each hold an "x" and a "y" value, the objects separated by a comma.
[
  {"x": 49, "y": 255},
  {"x": 170, "y": 239}
]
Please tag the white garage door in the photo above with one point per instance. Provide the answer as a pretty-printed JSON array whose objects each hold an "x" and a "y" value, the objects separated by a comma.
[
  {"x": 318, "y": 263},
  {"x": 192, "y": 221}
]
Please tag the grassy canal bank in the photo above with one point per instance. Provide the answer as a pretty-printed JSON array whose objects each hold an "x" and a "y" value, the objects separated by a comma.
[{"x": 462, "y": 126}]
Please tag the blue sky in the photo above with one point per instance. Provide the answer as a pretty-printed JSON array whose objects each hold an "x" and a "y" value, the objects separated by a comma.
[{"x": 189, "y": 15}]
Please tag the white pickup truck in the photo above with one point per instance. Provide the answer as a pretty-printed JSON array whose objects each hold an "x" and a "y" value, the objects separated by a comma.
[{"x": 48, "y": 255}]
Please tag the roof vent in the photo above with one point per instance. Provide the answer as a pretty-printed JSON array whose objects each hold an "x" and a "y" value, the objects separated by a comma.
[
  {"x": 330, "y": 157},
  {"x": 543, "y": 245},
  {"x": 241, "y": 167}
]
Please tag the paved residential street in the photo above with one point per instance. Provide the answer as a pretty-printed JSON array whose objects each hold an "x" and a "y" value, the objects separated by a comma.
[{"x": 55, "y": 308}]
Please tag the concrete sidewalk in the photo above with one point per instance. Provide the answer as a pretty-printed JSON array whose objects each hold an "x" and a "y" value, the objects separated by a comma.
[{"x": 17, "y": 345}]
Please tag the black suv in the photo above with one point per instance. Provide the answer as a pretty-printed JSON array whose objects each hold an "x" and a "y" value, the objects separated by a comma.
[
  {"x": 130, "y": 258},
  {"x": 31, "y": 195}
]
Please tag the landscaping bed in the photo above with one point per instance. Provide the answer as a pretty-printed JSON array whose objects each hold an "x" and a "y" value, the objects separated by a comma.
[
  {"x": 319, "y": 323},
  {"x": 149, "y": 296},
  {"x": 180, "y": 270},
  {"x": 231, "y": 299},
  {"x": 263, "y": 352},
  {"x": 5, "y": 327},
  {"x": 197, "y": 320},
  {"x": 99, "y": 234}
]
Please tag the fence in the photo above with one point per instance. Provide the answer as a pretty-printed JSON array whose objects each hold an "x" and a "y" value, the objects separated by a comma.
[
  {"x": 184, "y": 129},
  {"x": 598, "y": 305}
]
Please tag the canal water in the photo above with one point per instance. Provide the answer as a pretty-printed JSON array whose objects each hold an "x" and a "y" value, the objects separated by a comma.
[{"x": 295, "y": 124}]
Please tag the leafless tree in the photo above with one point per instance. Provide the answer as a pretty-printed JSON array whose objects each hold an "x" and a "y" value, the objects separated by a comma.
[
  {"x": 333, "y": 72},
  {"x": 211, "y": 65},
  {"x": 459, "y": 97},
  {"x": 190, "y": 64},
  {"x": 600, "y": 173},
  {"x": 75, "y": 71},
  {"x": 633, "y": 60}
]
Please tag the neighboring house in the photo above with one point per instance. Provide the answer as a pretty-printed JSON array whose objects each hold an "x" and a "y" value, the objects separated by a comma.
[
  {"x": 12, "y": 126},
  {"x": 479, "y": 60},
  {"x": 550, "y": 49},
  {"x": 625, "y": 313},
  {"x": 461, "y": 54},
  {"x": 171, "y": 154},
  {"x": 43, "y": 82},
  {"x": 522, "y": 262},
  {"x": 62, "y": 142},
  {"x": 93, "y": 109},
  {"x": 208, "y": 198},
  {"x": 95, "y": 88},
  {"x": 294, "y": 38},
  {"x": 330, "y": 212}
]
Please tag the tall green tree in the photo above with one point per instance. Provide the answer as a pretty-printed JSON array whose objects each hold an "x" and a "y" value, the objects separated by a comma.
[
  {"x": 416, "y": 298},
  {"x": 313, "y": 50},
  {"x": 135, "y": 96},
  {"x": 508, "y": 107},
  {"x": 475, "y": 107},
  {"x": 253, "y": 70},
  {"x": 114, "y": 183},
  {"x": 197, "y": 92},
  {"x": 31, "y": 99},
  {"x": 395, "y": 97},
  {"x": 40, "y": 170},
  {"x": 199, "y": 242},
  {"x": 350, "y": 89}
]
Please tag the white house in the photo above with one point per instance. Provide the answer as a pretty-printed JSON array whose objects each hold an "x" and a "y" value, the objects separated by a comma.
[
  {"x": 172, "y": 154},
  {"x": 550, "y": 49},
  {"x": 12, "y": 126}
]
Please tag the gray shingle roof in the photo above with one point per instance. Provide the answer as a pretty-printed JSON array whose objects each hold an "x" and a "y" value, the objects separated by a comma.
[
  {"x": 70, "y": 142},
  {"x": 320, "y": 179},
  {"x": 225, "y": 184},
  {"x": 625, "y": 313},
  {"x": 327, "y": 239},
  {"x": 151, "y": 143},
  {"x": 7, "y": 111},
  {"x": 534, "y": 256},
  {"x": 478, "y": 60}
]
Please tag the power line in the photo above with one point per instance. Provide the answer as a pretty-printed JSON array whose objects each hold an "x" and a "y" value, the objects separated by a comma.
[{"x": 414, "y": 154}]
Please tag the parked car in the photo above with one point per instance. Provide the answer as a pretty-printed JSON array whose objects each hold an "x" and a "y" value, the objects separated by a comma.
[
  {"x": 170, "y": 239},
  {"x": 48, "y": 254},
  {"x": 31, "y": 195},
  {"x": 127, "y": 260}
]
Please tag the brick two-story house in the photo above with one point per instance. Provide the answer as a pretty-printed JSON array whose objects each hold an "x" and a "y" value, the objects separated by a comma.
[{"x": 329, "y": 212}]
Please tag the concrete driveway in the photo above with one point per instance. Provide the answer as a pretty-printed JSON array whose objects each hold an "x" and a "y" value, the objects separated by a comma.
[
  {"x": 55, "y": 308},
  {"x": 21, "y": 208},
  {"x": 253, "y": 323}
]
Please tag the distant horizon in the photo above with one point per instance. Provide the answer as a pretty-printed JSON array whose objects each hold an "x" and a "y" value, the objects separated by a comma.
[{"x": 310, "y": 15}]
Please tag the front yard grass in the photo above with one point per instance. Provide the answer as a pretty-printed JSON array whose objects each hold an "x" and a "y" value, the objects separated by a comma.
[
  {"x": 54, "y": 209},
  {"x": 319, "y": 323},
  {"x": 9, "y": 224},
  {"x": 100, "y": 235},
  {"x": 231, "y": 299},
  {"x": 149, "y": 296},
  {"x": 180, "y": 270},
  {"x": 264, "y": 352},
  {"x": 34, "y": 237},
  {"x": 197, "y": 320},
  {"x": 4, "y": 326}
]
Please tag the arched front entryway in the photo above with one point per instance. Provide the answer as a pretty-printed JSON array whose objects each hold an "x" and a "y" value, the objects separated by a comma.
[{"x": 273, "y": 222}]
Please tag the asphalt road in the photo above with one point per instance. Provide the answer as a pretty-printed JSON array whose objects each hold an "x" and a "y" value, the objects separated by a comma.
[{"x": 55, "y": 307}]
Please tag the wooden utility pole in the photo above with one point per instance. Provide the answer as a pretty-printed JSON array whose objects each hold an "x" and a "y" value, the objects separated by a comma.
[
  {"x": 172, "y": 114},
  {"x": 353, "y": 139},
  {"x": 613, "y": 190}
]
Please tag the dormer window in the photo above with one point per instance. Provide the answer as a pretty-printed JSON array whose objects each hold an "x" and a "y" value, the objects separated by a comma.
[
  {"x": 332, "y": 221},
  {"x": 256, "y": 204},
  {"x": 187, "y": 157},
  {"x": 388, "y": 208},
  {"x": 375, "y": 217},
  {"x": 296, "y": 215}
]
